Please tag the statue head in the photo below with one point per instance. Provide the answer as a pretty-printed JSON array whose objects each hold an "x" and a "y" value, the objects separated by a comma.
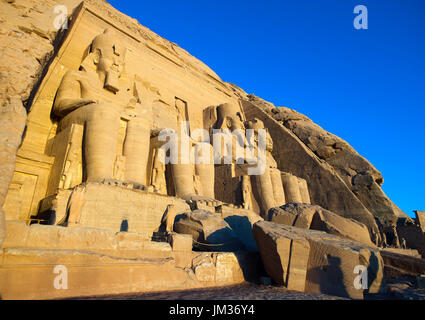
[
  {"x": 109, "y": 58},
  {"x": 257, "y": 124},
  {"x": 229, "y": 116}
]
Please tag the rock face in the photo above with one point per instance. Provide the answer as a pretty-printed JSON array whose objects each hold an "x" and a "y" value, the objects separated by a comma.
[
  {"x": 326, "y": 187},
  {"x": 100, "y": 96},
  {"x": 316, "y": 218},
  {"x": 359, "y": 175},
  {"x": 12, "y": 124},
  {"x": 313, "y": 261},
  {"x": 402, "y": 266},
  {"x": 208, "y": 230}
]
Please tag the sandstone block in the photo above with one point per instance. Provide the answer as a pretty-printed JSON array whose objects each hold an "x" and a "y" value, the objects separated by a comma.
[
  {"x": 181, "y": 242},
  {"x": 401, "y": 265},
  {"x": 313, "y": 261},
  {"x": 208, "y": 230},
  {"x": 316, "y": 218},
  {"x": 205, "y": 272},
  {"x": 43, "y": 237},
  {"x": 241, "y": 222},
  {"x": 181, "y": 245}
]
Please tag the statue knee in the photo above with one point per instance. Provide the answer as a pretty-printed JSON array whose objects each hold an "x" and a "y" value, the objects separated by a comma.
[{"x": 102, "y": 112}]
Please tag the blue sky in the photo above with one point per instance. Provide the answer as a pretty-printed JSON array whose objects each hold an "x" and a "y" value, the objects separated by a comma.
[{"x": 365, "y": 86}]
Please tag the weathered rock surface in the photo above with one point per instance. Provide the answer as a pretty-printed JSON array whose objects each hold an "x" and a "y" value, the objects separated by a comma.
[
  {"x": 241, "y": 221},
  {"x": 360, "y": 176},
  {"x": 31, "y": 22},
  {"x": 117, "y": 244},
  {"x": 402, "y": 266},
  {"x": 313, "y": 261},
  {"x": 326, "y": 187},
  {"x": 314, "y": 217},
  {"x": 30, "y": 45},
  {"x": 208, "y": 230},
  {"x": 12, "y": 124}
]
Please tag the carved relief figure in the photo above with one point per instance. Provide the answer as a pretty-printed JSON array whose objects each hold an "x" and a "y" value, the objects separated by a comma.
[
  {"x": 119, "y": 169},
  {"x": 246, "y": 193},
  {"x": 158, "y": 174},
  {"x": 73, "y": 167}
]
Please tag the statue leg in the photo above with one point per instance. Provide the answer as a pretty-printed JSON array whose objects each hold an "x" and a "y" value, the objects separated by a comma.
[
  {"x": 183, "y": 172},
  {"x": 102, "y": 124},
  {"x": 291, "y": 188},
  {"x": 183, "y": 180},
  {"x": 265, "y": 191},
  {"x": 205, "y": 171},
  {"x": 136, "y": 151},
  {"x": 278, "y": 192}
]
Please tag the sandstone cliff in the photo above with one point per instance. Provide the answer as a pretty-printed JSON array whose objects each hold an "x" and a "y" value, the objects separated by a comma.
[
  {"x": 358, "y": 174},
  {"x": 339, "y": 179}
]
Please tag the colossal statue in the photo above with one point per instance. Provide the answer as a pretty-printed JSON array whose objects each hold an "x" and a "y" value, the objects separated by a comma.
[
  {"x": 245, "y": 149},
  {"x": 193, "y": 180},
  {"x": 96, "y": 97},
  {"x": 269, "y": 184}
]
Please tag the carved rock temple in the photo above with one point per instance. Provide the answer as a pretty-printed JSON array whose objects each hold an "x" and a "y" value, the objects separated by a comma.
[{"x": 87, "y": 115}]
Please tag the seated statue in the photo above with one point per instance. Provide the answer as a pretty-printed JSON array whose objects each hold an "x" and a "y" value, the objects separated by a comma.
[
  {"x": 268, "y": 184},
  {"x": 189, "y": 161},
  {"x": 96, "y": 97}
]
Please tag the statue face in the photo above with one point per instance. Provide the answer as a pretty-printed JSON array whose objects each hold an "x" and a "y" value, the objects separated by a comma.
[
  {"x": 259, "y": 125},
  {"x": 110, "y": 66},
  {"x": 234, "y": 123},
  {"x": 110, "y": 63},
  {"x": 108, "y": 56},
  {"x": 229, "y": 117}
]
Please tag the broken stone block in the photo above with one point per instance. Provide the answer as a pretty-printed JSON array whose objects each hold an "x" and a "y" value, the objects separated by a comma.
[
  {"x": 209, "y": 231},
  {"x": 241, "y": 222},
  {"x": 182, "y": 248},
  {"x": 401, "y": 265},
  {"x": 316, "y": 218},
  {"x": 180, "y": 242},
  {"x": 317, "y": 262}
]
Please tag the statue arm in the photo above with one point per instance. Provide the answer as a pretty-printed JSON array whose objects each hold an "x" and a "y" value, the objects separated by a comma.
[{"x": 68, "y": 97}]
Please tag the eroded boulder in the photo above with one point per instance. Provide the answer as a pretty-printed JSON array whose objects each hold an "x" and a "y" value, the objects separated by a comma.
[
  {"x": 317, "y": 262},
  {"x": 314, "y": 217},
  {"x": 209, "y": 231}
]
